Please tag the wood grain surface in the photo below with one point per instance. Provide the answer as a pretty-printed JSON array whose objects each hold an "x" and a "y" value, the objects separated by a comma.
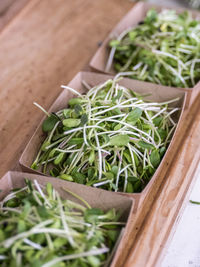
[
  {"x": 9, "y": 9},
  {"x": 44, "y": 46}
]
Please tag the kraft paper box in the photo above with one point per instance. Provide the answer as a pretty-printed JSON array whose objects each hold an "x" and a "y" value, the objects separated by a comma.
[
  {"x": 97, "y": 198},
  {"x": 132, "y": 18},
  {"x": 155, "y": 93}
]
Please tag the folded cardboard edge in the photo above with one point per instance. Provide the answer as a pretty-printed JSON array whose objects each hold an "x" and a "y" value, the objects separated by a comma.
[
  {"x": 92, "y": 79},
  {"x": 95, "y": 197}
]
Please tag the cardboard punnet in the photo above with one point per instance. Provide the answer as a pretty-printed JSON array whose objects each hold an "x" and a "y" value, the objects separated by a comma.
[
  {"x": 131, "y": 19},
  {"x": 97, "y": 198},
  {"x": 155, "y": 93}
]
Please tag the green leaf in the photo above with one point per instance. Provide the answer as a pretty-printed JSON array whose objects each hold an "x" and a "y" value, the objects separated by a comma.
[
  {"x": 132, "y": 35},
  {"x": 109, "y": 175},
  {"x": 34, "y": 166},
  {"x": 155, "y": 158},
  {"x": 79, "y": 178},
  {"x": 59, "y": 158},
  {"x": 113, "y": 234},
  {"x": 114, "y": 43},
  {"x": 42, "y": 211},
  {"x": 26, "y": 209},
  {"x": 134, "y": 115},
  {"x": 52, "y": 153},
  {"x": 119, "y": 140},
  {"x": 36, "y": 263},
  {"x": 137, "y": 186},
  {"x": 129, "y": 188},
  {"x": 91, "y": 157},
  {"x": 94, "y": 261},
  {"x": 91, "y": 215},
  {"x": 127, "y": 156},
  {"x": 151, "y": 16},
  {"x": 162, "y": 151},
  {"x": 59, "y": 242},
  {"x": 114, "y": 170},
  {"x": 110, "y": 215},
  {"x": 146, "y": 127},
  {"x": 91, "y": 173},
  {"x": 115, "y": 111},
  {"x": 106, "y": 138},
  {"x": 57, "y": 136},
  {"x": 2, "y": 235},
  {"x": 71, "y": 122},
  {"x": 132, "y": 179},
  {"x": 113, "y": 186},
  {"x": 119, "y": 94},
  {"x": 45, "y": 145},
  {"x": 84, "y": 119},
  {"x": 76, "y": 141},
  {"x": 94, "y": 211},
  {"x": 21, "y": 226},
  {"x": 74, "y": 101},
  {"x": 66, "y": 177},
  {"x": 194, "y": 202},
  {"x": 49, "y": 123},
  {"x": 136, "y": 159},
  {"x": 162, "y": 133},
  {"x": 117, "y": 127},
  {"x": 77, "y": 109},
  {"x": 66, "y": 113},
  {"x": 54, "y": 172},
  {"x": 49, "y": 189},
  {"x": 145, "y": 145}
]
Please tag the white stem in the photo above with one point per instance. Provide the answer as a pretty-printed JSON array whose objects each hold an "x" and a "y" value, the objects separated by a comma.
[
  {"x": 40, "y": 107},
  {"x": 32, "y": 244},
  {"x": 41, "y": 193},
  {"x": 100, "y": 155},
  {"x": 126, "y": 180},
  {"x": 71, "y": 90},
  {"x": 93, "y": 252}
]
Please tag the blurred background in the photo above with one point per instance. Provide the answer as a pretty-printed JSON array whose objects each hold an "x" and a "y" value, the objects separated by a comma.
[{"x": 185, "y": 3}]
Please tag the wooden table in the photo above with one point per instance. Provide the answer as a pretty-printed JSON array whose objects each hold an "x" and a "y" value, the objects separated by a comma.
[{"x": 44, "y": 45}]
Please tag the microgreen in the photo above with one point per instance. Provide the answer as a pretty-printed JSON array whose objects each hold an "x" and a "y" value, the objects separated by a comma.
[
  {"x": 163, "y": 49},
  {"x": 120, "y": 136},
  {"x": 38, "y": 228},
  {"x": 194, "y": 202}
]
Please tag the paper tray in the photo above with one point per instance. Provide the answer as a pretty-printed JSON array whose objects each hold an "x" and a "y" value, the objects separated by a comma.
[
  {"x": 132, "y": 18},
  {"x": 158, "y": 93},
  {"x": 97, "y": 198}
]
